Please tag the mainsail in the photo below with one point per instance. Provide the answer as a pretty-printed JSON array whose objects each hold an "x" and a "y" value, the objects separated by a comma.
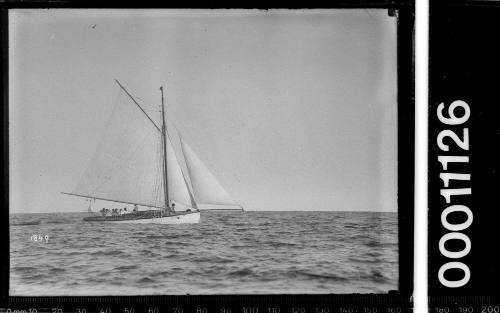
[
  {"x": 127, "y": 165},
  {"x": 206, "y": 188}
]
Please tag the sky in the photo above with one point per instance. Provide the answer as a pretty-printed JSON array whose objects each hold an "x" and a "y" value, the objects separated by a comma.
[{"x": 291, "y": 110}]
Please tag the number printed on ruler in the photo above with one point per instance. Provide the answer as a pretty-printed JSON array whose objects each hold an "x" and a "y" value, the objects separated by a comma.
[{"x": 454, "y": 159}]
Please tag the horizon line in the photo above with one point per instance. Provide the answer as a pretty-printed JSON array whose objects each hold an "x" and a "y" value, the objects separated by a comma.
[{"x": 228, "y": 210}]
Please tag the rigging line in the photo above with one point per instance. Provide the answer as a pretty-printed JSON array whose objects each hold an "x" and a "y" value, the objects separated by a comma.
[{"x": 128, "y": 94}]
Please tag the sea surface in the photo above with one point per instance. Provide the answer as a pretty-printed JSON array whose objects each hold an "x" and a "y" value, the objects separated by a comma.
[{"x": 227, "y": 253}]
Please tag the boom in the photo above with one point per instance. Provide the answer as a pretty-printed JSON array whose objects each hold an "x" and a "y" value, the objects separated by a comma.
[{"x": 111, "y": 200}]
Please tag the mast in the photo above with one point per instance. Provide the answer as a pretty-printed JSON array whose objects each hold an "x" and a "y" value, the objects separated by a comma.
[{"x": 164, "y": 137}]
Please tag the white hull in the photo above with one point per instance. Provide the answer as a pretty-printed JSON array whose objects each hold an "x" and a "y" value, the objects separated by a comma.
[{"x": 189, "y": 218}]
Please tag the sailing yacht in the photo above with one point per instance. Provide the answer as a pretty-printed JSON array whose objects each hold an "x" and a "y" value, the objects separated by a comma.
[{"x": 136, "y": 164}]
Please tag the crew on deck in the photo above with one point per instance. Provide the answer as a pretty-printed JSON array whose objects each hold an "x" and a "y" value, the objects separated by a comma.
[{"x": 114, "y": 212}]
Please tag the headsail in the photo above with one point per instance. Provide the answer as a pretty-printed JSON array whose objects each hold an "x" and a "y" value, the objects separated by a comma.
[
  {"x": 177, "y": 188},
  {"x": 206, "y": 188}
]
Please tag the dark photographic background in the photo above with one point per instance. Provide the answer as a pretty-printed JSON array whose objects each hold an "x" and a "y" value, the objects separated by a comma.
[{"x": 465, "y": 65}]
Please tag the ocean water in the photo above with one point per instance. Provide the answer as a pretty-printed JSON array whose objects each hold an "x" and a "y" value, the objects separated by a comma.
[{"x": 227, "y": 253}]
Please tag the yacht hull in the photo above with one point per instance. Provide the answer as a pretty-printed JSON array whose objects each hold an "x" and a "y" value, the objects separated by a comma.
[{"x": 178, "y": 218}]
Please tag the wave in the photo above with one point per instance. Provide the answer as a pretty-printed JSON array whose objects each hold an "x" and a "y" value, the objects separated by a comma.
[
  {"x": 125, "y": 268},
  {"x": 241, "y": 273},
  {"x": 149, "y": 253},
  {"x": 214, "y": 259},
  {"x": 374, "y": 276},
  {"x": 108, "y": 253},
  {"x": 373, "y": 254},
  {"x": 56, "y": 270},
  {"x": 373, "y": 244},
  {"x": 320, "y": 276},
  {"x": 26, "y": 223},
  {"x": 72, "y": 253},
  {"x": 58, "y": 222},
  {"x": 169, "y": 273},
  {"x": 369, "y": 261},
  {"x": 24, "y": 269},
  {"x": 145, "y": 280},
  {"x": 378, "y": 277},
  {"x": 389, "y": 245},
  {"x": 35, "y": 278},
  {"x": 173, "y": 236},
  {"x": 239, "y": 247},
  {"x": 279, "y": 244}
]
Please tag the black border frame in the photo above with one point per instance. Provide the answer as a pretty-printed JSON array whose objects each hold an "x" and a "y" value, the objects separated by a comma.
[
  {"x": 404, "y": 9},
  {"x": 463, "y": 65}
]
